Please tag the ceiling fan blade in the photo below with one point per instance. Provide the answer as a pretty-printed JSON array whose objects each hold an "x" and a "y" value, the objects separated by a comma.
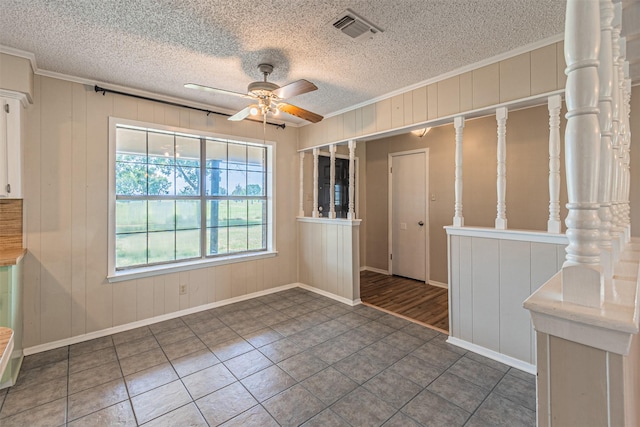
[
  {"x": 241, "y": 115},
  {"x": 299, "y": 112},
  {"x": 295, "y": 88},
  {"x": 215, "y": 90}
]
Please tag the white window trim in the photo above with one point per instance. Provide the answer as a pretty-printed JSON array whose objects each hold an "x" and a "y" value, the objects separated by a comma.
[{"x": 148, "y": 271}]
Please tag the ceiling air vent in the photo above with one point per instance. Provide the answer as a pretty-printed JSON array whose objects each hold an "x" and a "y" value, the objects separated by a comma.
[{"x": 355, "y": 26}]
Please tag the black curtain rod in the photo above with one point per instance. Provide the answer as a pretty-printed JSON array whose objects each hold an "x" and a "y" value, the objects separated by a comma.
[{"x": 175, "y": 104}]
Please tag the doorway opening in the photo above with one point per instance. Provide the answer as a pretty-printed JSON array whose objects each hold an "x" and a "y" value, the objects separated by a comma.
[{"x": 404, "y": 288}]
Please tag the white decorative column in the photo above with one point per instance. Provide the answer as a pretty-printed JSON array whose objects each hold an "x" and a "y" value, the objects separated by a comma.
[
  {"x": 627, "y": 145},
  {"x": 616, "y": 229},
  {"x": 625, "y": 140},
  {"x": 581, "y": 278},
  {"x": 622, "y": 177},
  {"x": 501, "y": 217},
  {"x": 554, "y": 103},
  {"x": 588, "y": 347},
  {"x": 332, "y": 182},
  {"x": 301, "y": 209},
  {"x": 314, "y": 212},
  {"x": 458, "y": 219},
  {"x": 352, "y": 179},
  {"x": 605, "y": 71}
]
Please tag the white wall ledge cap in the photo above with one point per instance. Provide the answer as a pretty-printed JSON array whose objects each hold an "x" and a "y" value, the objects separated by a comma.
[
  {"x": 324, "y": 220},
  {"x": 520, "y": 235},
  {"x": 609, "y": 327}
]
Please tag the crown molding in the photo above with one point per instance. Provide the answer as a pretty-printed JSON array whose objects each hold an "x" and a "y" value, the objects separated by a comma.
[
  {"x": 22, "y": 54},
  {"x": 140, "y": 92},
  {"x": 89, "y": 82},
  {"x": 487, "y": 61}
]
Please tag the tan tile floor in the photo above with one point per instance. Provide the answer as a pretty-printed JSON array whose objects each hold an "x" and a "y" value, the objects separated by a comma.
[{"x": 286, "y": 359}]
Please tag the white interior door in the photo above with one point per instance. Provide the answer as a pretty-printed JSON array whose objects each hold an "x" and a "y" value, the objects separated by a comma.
[{"x": 408, "y": 211}]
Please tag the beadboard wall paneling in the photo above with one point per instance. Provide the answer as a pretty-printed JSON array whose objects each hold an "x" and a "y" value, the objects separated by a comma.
[
  {"x": 489, "y": 280},
  {"x": 65, "y": 288},
  {"x": 531, "y": 73},
  {"x": 328, "y": 256}
]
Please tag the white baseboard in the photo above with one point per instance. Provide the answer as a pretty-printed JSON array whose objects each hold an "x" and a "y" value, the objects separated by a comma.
[
  {"x": 330, "y": 295},
  {"x": 494, "y": 355},
  {"x": 438, "y": 284},
  {"x": 375, "y": 270},
  {"x": 121, "y": 328}
]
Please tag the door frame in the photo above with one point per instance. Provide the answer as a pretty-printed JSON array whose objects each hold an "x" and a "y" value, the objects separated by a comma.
[{"x": 390, "y": 208}]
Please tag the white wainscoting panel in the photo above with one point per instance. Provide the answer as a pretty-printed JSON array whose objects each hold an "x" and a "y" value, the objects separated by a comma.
[
  {"x": 485, "y": 268},
  {"x": 328, "y": 256},
  {"x": 491, "y": 273}
]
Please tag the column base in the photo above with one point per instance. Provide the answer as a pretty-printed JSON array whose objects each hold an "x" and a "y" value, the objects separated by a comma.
[
  {"x": 582, "y": 285},
  {"x": 501, "y": 223},
  {"x": 554, "y": 226}
]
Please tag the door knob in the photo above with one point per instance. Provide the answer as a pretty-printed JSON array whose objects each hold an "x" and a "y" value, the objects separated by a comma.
[{"x": 421, "y": 223}]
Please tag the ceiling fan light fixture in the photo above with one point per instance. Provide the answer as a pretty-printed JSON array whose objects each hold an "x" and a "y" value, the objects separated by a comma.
[{"x": 268, "y": 95}]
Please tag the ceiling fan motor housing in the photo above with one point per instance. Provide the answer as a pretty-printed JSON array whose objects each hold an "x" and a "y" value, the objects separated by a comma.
[{"x": 262, "y": 88}]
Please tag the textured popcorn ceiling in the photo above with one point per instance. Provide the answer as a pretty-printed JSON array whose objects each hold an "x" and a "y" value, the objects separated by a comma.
[{"x": 158, "y": 45}]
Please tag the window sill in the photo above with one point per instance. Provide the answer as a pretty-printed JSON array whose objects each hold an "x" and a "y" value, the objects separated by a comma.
[{"x": 156, "y": 270}]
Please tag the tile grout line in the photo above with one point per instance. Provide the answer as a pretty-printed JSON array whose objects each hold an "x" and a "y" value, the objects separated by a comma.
[
  {"x": 135, "y": 417},
  {"x": 302, "y": 346}
]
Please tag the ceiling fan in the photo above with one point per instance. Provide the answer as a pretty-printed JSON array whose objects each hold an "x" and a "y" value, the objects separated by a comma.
[{"x": 269, "y": 97}]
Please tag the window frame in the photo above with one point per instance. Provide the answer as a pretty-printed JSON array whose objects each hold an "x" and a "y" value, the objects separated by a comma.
[{"x": 114, "y": 275}]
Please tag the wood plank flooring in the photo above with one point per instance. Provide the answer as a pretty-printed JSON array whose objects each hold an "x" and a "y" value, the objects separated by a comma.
[{"x": 410, "y": 298}]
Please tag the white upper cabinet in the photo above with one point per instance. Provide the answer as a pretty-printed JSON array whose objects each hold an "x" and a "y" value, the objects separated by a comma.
[{"x": 10, "y": 148}]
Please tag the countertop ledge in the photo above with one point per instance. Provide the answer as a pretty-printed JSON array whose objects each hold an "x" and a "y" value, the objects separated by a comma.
[{"x": 11, "y": 256}]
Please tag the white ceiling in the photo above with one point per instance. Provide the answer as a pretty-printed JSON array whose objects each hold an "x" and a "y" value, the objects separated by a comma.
[{"x": 158, "y": 45}]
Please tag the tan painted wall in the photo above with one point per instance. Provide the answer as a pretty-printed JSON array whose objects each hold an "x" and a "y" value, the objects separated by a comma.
[
  {"x": 65, "y": 289},
  {"x": 527, "y": 181}
]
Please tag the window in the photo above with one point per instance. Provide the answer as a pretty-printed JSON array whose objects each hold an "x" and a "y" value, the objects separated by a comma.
[{"x": 181, "y": 198}]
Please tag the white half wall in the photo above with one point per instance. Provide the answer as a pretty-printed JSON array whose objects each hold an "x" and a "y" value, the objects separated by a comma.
[
  {"x": 491, "y": 273},
  {"x": 328, "y": 256}
]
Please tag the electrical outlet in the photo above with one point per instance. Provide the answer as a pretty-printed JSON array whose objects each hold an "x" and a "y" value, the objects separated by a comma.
[{"x": 183, "y": 289}]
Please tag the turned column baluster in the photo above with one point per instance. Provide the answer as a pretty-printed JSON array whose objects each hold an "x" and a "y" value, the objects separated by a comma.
[
  {"x": 332, "y": 182},
  {"x": 554, "y": 103},
  {"x": 605, "y": 71},
  {"x": 352, "y": 180},
  {"x": 501, "y": 217},
  {"x": 314, "y": 212},
  {"x": 581, "y": 278},
  {"x": 458, "y": 218},
  {"x": 627, "y": 145},
  {"x": 616, "y": 229}
]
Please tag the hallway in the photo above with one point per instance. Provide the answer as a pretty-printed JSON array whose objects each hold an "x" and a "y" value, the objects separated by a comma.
[{"x": 410, "y": 298}]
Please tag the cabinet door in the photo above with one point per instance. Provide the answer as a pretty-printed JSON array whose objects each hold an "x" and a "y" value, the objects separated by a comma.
[{"x": 10, "y": 149}]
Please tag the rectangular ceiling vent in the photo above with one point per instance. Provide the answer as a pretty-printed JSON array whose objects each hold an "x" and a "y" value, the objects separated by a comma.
[{"x": 355, "y": 26}]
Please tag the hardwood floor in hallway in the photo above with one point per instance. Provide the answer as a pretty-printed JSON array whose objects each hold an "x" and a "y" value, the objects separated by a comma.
[{"x": 410, "y": 298}]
